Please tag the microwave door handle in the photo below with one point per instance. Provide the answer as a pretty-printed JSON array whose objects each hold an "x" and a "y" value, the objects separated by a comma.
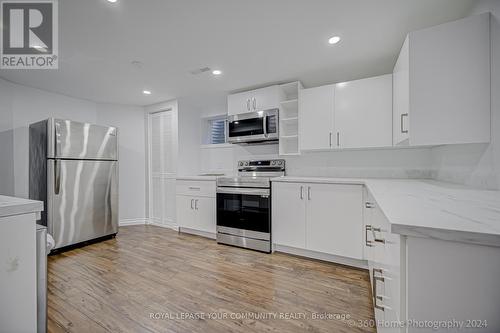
[{"x": 264, "y": 124}]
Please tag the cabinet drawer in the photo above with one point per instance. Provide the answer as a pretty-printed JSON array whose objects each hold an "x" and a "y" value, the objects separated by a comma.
[{"x": 196, "y": 188}]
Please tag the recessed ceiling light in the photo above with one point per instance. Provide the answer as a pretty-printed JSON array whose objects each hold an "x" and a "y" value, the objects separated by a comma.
[
  {"x": 146, "y": 92},
  {"x": 334, "y": 40},
  {"x": 112, "y": 1},
  {"x": 216, "y": 72}
]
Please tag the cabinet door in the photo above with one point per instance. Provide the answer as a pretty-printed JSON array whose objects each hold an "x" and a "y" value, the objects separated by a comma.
[
  {"x": 239, "y": 103},
  {"x": 289, "y": 214},
  {"x": 266, "y": 98},
  {"x": 205, "y": 214},
  {"x": 450, "y": 82},
  {"x": 401, "y": 97},
  {"x": 334, "y": 219},
  {"x": 363, "y": 113},
  {"x": 316, "y": 106},
  {"x": 185, "y": 211}
]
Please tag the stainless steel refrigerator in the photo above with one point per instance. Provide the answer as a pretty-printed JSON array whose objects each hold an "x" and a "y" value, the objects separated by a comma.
[{"x": 73, "y": 169}]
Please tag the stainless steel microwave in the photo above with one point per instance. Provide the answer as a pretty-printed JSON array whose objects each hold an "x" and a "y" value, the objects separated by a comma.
[{"x": 253, "y": 127}]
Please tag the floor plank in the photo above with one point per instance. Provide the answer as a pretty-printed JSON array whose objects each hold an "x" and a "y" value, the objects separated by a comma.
[{"x": 151, "y": 279}]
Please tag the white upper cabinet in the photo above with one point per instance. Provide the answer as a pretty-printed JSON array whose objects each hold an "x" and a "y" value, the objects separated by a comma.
[
  {"x": 363, "y": 113},
  {"x": 401, "y": 97},
  {"x": 316, "y": 106},
  {"x": 442, "y": 84},
  {"x": 255, "y": 100}
]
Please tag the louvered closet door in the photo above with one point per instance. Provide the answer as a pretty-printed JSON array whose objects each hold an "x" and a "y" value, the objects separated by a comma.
[{"x": 163, "y": 167}]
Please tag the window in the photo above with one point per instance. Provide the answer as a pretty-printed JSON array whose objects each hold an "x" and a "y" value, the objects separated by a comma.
[{"x": 215, "y": 130}]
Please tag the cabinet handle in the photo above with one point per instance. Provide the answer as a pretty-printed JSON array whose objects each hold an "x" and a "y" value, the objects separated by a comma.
[
  {"x": 254, "y": 103},
  {"x": 378, "y": 240},
  {"x": 192, "y": 203},
  {"x": 301, "y": 192},
  {"x": 309, "y": 193},
  {"x": 194, "y": 188},
  {"x": 402, "y": 121},
  {"x": 196, "y": 204},
  {"x": 367, "y": 242},
  {"x": 375, "y": 296},
  {"x": 369, "y": 205},
  {"x": 330, "y": 139},
  {"x": 248, "y": 104},
  {"x": 338, "y": 139}
]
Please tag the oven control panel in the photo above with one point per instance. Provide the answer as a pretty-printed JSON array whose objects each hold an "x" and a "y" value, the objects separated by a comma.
[{"x": 278, "y": 164}]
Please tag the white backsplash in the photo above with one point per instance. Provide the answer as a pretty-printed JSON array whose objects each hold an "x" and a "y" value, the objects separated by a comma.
[{"x": 374, "y": 163}]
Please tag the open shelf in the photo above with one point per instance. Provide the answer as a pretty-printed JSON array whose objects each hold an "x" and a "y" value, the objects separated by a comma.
[
  {"x": 290, "y": 108},
  {"x": 289, "y": 119},
  {"x": 291, "y": 89}
]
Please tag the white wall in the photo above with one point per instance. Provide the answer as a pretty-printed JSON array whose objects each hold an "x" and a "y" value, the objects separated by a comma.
[
  {"x": 131, "y": 154},
  {"x": 20, "y": 106},
  {"x": 477, "y": 165},
  {"x": 189, "y": 129}
]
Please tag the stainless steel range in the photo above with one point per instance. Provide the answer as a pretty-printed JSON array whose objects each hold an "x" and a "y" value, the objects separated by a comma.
[{"x": 244, "y": 205}]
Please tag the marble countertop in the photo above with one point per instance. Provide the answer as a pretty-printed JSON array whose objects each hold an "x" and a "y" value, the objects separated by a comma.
[
  {"x": 427, "y": 208},
  {"x": 16, "y": 206},
  {"x": 198, "y": 177}
]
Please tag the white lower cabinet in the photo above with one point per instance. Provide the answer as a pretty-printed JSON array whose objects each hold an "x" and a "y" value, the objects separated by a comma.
[
  {"x": 334, "y": 219},
  {"x": 325, "y": 218},
  {"x": 289, "y": 215},
  {"x": 383, "y": 251},
  {"x": 196, "y": 212}
]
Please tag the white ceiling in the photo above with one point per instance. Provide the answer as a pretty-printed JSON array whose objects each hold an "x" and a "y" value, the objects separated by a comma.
[{"x": 253, "y": 42}]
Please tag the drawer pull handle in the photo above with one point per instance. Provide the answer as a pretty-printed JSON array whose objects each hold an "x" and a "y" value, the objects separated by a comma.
[
  {"x": 369, "y": 205},
  {"x": 378, "y": 240},
  {"x": 194, "y": 188},
  {"x": 375, "y": 296},
  {"x": 367, "y": 242}
]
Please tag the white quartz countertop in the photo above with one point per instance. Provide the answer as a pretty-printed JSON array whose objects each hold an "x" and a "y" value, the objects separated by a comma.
[
  {"x": 211, "y": 178},
  {"x": 426, "y": 208},
  {"x": 16, "y": 206}
]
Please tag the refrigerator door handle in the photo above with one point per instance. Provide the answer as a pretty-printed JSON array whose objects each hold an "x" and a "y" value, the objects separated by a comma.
[
  {"x": 57, "y": 177},
  {"x": 57, "y": 138}
]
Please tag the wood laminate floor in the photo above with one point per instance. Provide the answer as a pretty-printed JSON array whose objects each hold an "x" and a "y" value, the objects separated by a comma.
[{"x": 151, "y": 279}]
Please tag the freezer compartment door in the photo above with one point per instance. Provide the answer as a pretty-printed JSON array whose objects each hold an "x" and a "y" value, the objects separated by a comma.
[
  {"x": 74, "y": 140},
  {"x": 82, "y": 200}
]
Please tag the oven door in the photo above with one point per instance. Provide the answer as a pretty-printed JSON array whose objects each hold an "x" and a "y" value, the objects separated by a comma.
[{"x": 244, "y": 211}]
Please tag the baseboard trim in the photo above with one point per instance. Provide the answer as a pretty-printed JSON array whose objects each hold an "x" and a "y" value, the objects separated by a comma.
[
  {"x": 206, "y": 234},
  {"x": 126, "y": 222},
  {"x": 162, "y": 225},
  {"x": 363, "y": 264}
]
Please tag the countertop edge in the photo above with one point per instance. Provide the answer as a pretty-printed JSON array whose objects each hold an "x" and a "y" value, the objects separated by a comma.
[
  {"x": 21, "y": 208},
  {"x": 197, "y": 178}
]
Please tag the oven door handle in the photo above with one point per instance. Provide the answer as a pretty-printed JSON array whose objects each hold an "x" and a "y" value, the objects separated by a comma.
[
  {"x": 264, "y": 125},
  {"x": 246, "y": 191}
]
